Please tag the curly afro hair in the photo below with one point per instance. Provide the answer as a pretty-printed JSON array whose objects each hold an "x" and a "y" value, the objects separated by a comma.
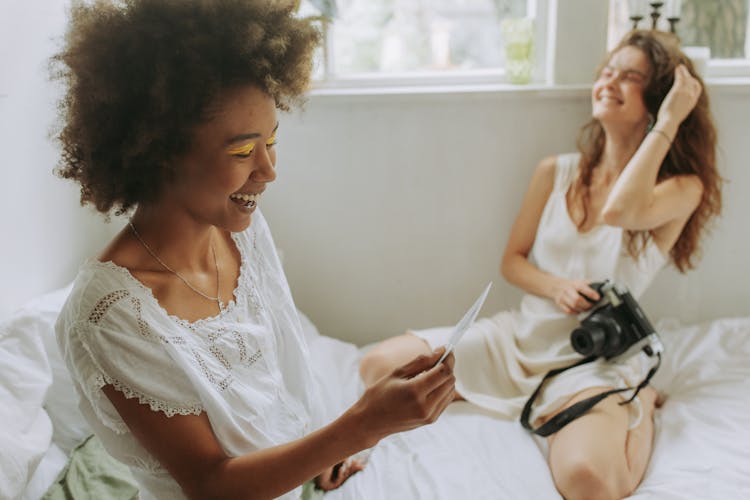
[{"x": 141, "y": 74}]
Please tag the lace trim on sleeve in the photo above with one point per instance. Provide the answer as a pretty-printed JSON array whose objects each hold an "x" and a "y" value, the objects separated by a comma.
[
  {"x": 118, "y": 425},
  {"x": 154, "y": 404},
  {"x": 99, "y": 379}
]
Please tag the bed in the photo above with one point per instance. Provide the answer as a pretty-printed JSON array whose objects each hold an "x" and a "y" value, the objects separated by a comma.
[{"x": 701, "y": 445}]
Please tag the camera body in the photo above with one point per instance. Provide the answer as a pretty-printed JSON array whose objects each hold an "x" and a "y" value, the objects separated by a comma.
[{"x": 615, "y": 327}]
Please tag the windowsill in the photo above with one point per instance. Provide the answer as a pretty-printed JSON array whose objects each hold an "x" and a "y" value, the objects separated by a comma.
[
  {"x": 503, "y": 89},
  {"x": 740, "y": 83},
  {"x": 532, "y": 90}
]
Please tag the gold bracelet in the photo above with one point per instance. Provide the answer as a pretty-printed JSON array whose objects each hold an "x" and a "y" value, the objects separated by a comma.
[{"x": 664, "y": 134}]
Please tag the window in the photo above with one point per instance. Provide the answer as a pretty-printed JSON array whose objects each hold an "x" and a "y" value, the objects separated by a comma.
[
  {"x": 399, "y": 43},
  {"x": 721, "y": 26},
  {"x": 414, "y": 39}
]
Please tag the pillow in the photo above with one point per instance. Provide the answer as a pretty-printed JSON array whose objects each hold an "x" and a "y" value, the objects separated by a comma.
[
  {"x": 49, "y": 468},
  {"x": 25, "y": 429},
  {"x": 36, "y": 319}
]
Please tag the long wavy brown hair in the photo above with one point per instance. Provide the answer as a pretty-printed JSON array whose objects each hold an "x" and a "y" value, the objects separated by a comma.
[{"x": 693, "y": 150}]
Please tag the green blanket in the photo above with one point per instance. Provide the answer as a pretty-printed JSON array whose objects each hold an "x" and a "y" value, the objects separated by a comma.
[{"x": 92, "y": 474}]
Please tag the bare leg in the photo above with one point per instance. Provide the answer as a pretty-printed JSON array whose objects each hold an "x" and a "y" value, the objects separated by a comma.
[
  {"x": 389, "y": 355},
  {"x": 596, "y": 456}
]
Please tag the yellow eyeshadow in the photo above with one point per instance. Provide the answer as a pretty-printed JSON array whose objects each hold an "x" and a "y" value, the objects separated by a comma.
[
  {"x": 243, "y": 150},
  {"x": 271, "y": 141}
]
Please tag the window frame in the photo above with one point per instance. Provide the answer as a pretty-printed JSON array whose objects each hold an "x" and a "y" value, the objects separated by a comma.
[
  {"x": 722, "y": 70},
  {"x": 728, "y": 68},
  {"x": 330, "y": 81},
  {"x": 551, "y": 25}
]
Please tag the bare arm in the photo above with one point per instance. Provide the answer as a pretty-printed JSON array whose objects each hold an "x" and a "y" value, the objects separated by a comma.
[
  {"x": 186, "y": 446},
  {"x": 636, "y": 201},
  {"x": 516, "y": 267}
]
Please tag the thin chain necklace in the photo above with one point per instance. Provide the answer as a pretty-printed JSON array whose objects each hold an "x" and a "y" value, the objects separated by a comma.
[{"x": 216, "y": 299}]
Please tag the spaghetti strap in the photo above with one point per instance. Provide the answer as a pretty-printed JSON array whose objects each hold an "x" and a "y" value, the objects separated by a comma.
[{"x": 566, "y": 169}]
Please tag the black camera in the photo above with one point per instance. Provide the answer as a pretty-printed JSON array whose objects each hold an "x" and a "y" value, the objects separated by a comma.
[{"x": 615, "y": 326}]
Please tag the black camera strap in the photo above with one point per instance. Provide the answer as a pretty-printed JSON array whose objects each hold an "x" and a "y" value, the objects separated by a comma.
[{"x": 578, "y": 409}]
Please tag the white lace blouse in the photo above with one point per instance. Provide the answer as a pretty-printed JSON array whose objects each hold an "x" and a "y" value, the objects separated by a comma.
[{"x": 247, "y": 368}]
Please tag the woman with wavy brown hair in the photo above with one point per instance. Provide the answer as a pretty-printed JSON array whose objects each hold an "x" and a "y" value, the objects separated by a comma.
[
  {"x": 692, "y": 152},
  {"x": 638, "y": 195}
]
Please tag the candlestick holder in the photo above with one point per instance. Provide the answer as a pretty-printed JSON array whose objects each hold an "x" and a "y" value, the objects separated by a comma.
[
  {"x": 672, "y": 22},
  {"x": 655, "y": 14}
]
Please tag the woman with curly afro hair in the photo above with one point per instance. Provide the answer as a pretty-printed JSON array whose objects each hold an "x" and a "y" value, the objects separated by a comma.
[{"x": 181, "y": 336}]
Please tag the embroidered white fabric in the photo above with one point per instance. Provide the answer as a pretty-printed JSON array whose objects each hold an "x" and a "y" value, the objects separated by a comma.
[{"x": 247, "y": 368}]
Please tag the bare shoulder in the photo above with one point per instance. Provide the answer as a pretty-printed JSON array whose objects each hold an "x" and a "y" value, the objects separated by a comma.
[
  {"x": 540, "y": 187},
  {"x": 547, "y": 166},
  {"x": 680, "y": 196},
  {"x": 544, "y": 174},
  {"x": 688, "y": 188},
  {"x": 690, "y": 184},
  {"x": 117, "y": 249},
  {"x": 127, "y": 252}
]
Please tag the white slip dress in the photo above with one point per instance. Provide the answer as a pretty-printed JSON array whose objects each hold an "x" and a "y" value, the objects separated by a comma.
[{"x": 502, "y": 359}]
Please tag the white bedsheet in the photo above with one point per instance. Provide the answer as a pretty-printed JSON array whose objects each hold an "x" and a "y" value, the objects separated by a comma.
[
  {"x": 702, "y": 447},
  {"x": 25, "y": 427},
  {"x": 39, "y": 418},
  {"x": 702, "y": 443}
]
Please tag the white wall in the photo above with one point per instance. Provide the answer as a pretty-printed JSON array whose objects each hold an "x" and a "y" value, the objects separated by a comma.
[
  {"x": 393, "y": 211},
  {"x": 719, "y": 286},
  {"x": 45, "y": 233}
]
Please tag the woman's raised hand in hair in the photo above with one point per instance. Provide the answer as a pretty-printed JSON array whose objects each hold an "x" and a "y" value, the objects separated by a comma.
[{"x": 681, "y": 98}]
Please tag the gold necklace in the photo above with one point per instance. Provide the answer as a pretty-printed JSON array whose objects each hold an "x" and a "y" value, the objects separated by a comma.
[{"x": 216, "y": 299}]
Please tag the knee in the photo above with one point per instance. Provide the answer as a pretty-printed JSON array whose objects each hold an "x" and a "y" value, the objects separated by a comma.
[
  {"x": 583, "y": 479},
  {"x": 373, "y": 366}
]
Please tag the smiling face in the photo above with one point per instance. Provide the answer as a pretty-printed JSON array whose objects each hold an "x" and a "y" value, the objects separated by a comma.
[
  {"x": 220, "y": 179},
  {"x": 617, "y": 94}
]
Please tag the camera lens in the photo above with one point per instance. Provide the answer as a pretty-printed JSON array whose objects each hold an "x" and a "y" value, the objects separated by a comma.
[{"x": 588, "y": 340}]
